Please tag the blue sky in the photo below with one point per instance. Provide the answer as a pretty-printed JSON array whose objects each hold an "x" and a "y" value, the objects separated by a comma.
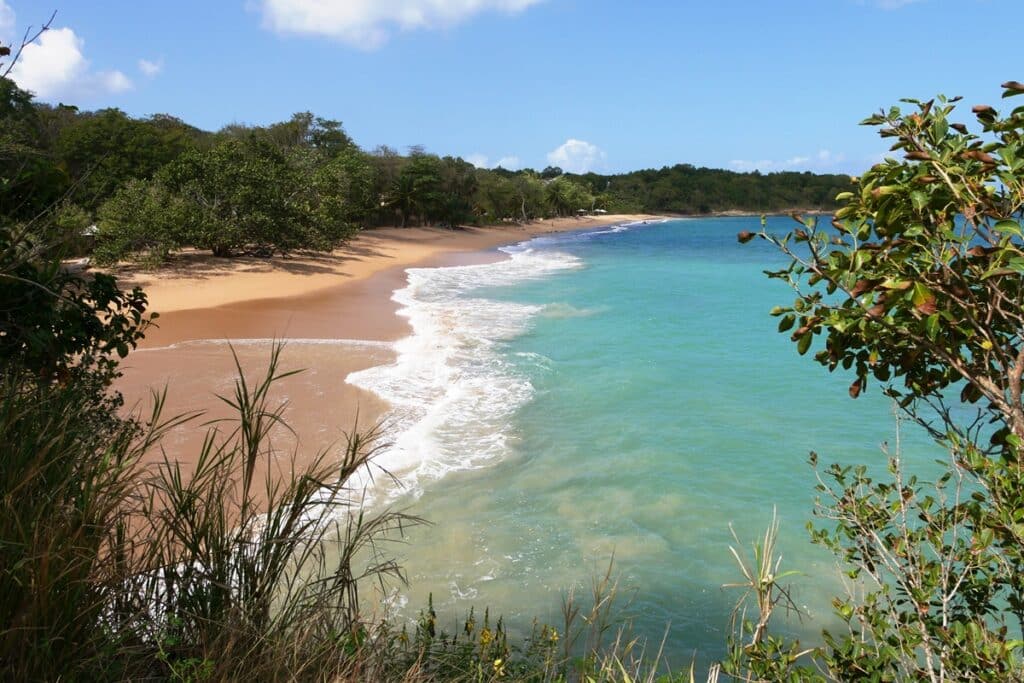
[{"x": 601, "y": 85}]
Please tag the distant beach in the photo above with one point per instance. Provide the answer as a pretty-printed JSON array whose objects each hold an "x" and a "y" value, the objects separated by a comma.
[{"x": 334, "y": 312}]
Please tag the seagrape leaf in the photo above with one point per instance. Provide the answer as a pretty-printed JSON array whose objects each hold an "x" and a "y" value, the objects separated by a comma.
[
  {"x": 1016, "y": 264},
  {"x": 804, "y": 343},
  {"x": 1008, "y": 226}
]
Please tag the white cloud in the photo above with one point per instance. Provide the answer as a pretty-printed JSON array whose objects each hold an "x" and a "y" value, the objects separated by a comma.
[
  {"x": 577, "y": 156},
  {"x": 824, "y": 160},
  {"x": 510, "y": 162},
  {"x": 55, "y": 66},
  {"x": 151, "y": 69},
  {"x": 368, "y": 24},
  {"x": 113, "y": 81},
  {"x": 51, "y": 63}
]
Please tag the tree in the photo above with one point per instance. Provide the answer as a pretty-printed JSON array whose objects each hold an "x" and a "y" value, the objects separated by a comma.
[
  {"x": 458, "y": 186},
  {"x": 313, "y": 132},
  {"x": 30, "y": 178},
  {"x": 565, "y": 197},
  {"x": 917, "y": 285},
  {"x": 347, "y": 180},
  {"x": 243, "y": 194},
  {"x": 418, "y": 190},
  {"x": 105, "y": 149},
  {"x": 236, "y": 196},
  {"x": 56, "y": 324},
  {"x": 496, "y": 196},
  {"x": 530, "y": 195},
  {"x": 550, "y": 172},
  {"x": 144, "y": 218}
]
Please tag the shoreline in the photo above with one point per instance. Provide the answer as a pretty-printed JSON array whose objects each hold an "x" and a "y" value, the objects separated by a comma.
[
  {"x": 196, "y": 281},
  {"x": 334, "y": 313}
]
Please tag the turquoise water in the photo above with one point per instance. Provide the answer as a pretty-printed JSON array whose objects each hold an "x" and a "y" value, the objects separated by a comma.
[{"x": 618, "y": 392}]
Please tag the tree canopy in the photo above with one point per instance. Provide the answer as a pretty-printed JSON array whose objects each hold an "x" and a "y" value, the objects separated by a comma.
[{"x": 157, "y": 184}]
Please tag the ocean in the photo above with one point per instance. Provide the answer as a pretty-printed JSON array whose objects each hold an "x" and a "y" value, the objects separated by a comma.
[{"x": 617, "y": 393}]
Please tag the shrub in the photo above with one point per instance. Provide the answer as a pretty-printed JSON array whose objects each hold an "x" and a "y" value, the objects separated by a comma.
[{"x": 918, "y": 286}]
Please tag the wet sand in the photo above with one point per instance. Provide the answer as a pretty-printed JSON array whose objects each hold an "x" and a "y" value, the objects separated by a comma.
[{"x": 314, "y": 303}]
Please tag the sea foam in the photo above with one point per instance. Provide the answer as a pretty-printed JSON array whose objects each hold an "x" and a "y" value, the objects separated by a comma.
[{"x": 453, "y": 394}]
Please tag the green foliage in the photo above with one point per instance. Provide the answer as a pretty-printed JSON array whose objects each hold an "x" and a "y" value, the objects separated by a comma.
[
  {"x": 418, "y": 190},
  {"x": 591, "y": 644},
  {"x": 30, "y": 177},
  {"x": 237, "y": 195},
  {"x": 918, "y": 286},
  {"x": 143, "y": 220},
  {"x": 65, "y": 474},
  {"x": 566, "y": 197},
  {"x": 243, "y": 194},
  {"x": 55, "y": 324},
  {"x": 180, "y": 575},
  {"x": 941, "y": 586},
  {"x": 266, "y": 585},
  {"x": 157, "y": 184},
  {"x": 105, "y": 149},
  {"x": 344, "y": 186},
  {"x": 303, "y": 131},
  {"x": 458, "y": 187},
  {"x": 684, "y": 188}
]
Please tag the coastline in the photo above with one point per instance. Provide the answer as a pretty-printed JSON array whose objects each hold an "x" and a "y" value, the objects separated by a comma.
[{"x": 334, "y": 312}]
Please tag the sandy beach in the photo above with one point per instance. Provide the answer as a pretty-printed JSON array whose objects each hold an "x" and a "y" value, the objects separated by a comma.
[{"x": 333, "y": 311}]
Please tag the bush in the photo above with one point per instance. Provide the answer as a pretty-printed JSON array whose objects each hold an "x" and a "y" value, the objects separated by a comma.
[
  {"x": 918, "y": 286},
  {"x": 142, "y": 221},
  {"x": 242, "y": 195}
]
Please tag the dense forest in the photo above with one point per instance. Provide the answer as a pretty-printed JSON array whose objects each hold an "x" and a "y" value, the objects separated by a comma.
[{"x": 155, "y": 184}]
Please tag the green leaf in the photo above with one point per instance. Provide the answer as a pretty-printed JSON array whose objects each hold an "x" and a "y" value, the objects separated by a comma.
[
  {"x": 861, "y": 258},
  {"x": 921, "y": 294},
  {"x": 804, "y": 343},
  {"x": 918, "y": 199},
  {"x": 1008, "y": 226},
  {"x": 1016, "y": 264}
]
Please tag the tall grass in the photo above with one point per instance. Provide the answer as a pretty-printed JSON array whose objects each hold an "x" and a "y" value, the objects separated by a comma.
[
  {"x": 66, "y": 480},
  {"x": 113, "y": 571}
]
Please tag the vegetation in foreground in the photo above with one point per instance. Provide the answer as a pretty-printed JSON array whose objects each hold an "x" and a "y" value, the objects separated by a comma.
[
  {"x": 917, "y": 285},
  {"x": 111, "y": 572},
  {"x": 115, "y": 572}
]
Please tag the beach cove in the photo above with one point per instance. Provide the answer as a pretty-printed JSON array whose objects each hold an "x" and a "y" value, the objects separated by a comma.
[
  {"x": 576, "y": 395},
  {"x": 334, "y": 313}
]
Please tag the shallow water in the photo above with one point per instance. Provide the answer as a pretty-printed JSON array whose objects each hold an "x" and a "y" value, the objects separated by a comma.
[{"x": 616, "y": 392}]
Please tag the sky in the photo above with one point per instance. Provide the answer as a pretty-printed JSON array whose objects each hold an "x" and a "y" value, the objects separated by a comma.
[{"x": 588, "y": 85}]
